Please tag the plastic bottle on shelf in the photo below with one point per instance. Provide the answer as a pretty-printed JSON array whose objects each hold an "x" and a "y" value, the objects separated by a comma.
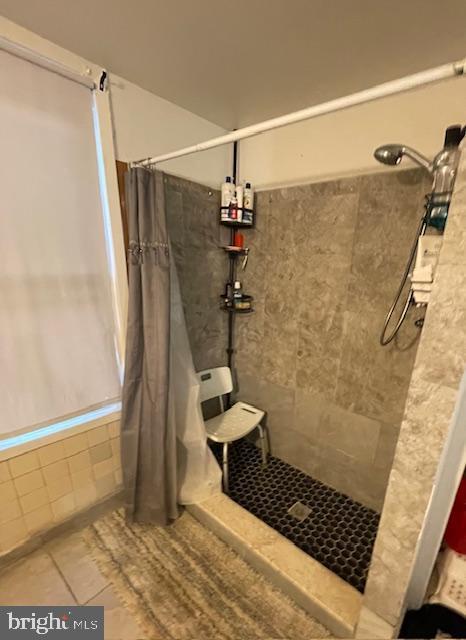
[
  {"x": 237, "y": 292},
  {"x": 227, "y": 195},
  {"x": 248, "y": 203},
  {"x": 233, "y": 210}
]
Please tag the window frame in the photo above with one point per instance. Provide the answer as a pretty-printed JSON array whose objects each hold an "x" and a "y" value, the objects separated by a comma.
[{"x": 28, "y": 45}]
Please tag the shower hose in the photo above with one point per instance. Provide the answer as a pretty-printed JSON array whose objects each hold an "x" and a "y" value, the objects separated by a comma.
[{"x": 384, "y": 339}]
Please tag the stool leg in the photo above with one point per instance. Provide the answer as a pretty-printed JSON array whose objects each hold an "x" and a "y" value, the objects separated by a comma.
[
  {"x": 263, "y": 445},
  {"x": 225, "y": 467}
]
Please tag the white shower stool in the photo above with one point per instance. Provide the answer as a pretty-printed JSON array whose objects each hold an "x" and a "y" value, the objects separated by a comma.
[{"x": 233, "y": 424}]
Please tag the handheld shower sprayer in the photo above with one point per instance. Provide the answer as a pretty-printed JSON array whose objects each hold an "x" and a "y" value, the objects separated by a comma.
[{"x": 443, "y": 171}]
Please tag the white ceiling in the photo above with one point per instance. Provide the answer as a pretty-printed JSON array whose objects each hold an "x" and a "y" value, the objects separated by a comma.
[{"x": 240, "y": 61}]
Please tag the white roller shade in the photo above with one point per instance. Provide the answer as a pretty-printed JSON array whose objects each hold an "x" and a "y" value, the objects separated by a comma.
[{"x": 57, "y": 328}]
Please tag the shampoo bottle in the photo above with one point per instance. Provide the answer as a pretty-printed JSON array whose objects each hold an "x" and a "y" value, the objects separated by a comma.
[
  {"x": 248, "y": 196},
  {"x": 248, "y": 203},
  {"x": 227, "y": 195}
]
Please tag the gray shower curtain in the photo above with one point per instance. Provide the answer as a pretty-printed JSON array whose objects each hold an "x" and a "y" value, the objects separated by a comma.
[{"x": 148, "y": 426}]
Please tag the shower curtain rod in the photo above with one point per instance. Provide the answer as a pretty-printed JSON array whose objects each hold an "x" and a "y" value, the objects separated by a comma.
[{"x": 368, "y": 95}]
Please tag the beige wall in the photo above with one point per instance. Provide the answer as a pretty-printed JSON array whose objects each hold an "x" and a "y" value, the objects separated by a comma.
[
  {"x": 438, "y": 368},
  {"x": 147, "y": 125},
  {"x": 49, "y": 484},
  {"x": 343, "y": 143},
  {"x": 325, "y": 261}
]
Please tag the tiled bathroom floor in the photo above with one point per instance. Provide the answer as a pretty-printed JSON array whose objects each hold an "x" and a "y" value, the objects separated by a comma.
[
  {"x": 338, "y": 532},
  {"x": 194, "y": 573},
  {"x": 63, "y": 573}
]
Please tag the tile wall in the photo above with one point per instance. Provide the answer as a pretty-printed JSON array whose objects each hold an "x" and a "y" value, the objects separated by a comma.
[
  {"x": 438, "y": 369},
  {"x": 47, "y": 485},
  {"x": 325, "y": 262}
]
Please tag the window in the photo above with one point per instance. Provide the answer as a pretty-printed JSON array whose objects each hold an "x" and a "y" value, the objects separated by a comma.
[{"x": 58, "y": 344}]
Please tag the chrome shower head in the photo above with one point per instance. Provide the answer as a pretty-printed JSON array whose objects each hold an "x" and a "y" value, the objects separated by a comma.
[{"x": 392, "y": 154}]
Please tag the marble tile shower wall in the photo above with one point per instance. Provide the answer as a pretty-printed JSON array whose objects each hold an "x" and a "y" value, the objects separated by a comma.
[
  {"x": 432, "y": 396},
  {"x": 196, "y": 237},
  {"x": 325, "y": 261}
]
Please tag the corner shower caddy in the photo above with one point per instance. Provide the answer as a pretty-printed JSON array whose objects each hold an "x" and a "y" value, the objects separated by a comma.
[{"x": 233, "y": 253}]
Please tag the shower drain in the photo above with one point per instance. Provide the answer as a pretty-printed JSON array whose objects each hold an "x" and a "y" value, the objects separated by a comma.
[{"x": 299, "y": 511}]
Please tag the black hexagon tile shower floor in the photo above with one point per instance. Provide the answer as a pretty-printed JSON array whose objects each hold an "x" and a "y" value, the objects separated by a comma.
[{"x": 328, "y": 525}]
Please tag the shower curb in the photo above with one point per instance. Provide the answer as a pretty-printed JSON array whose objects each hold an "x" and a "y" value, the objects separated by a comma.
[{"x": 317, "y": 590}]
